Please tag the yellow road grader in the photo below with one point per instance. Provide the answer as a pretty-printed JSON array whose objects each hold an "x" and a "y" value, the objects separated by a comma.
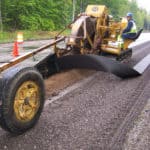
[{"x": 93, "y": 34}]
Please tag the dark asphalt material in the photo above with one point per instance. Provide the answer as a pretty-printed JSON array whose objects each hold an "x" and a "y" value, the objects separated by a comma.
[
  {"x": 98, "y": 63},
  {"x": 87, "y": 118}
]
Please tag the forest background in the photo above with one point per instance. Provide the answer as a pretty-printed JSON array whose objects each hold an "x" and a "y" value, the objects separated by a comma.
[{"x": 31, "y": 16}]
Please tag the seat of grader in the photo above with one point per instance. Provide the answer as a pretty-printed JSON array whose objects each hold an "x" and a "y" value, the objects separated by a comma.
[{"x": 136, "y": 36}]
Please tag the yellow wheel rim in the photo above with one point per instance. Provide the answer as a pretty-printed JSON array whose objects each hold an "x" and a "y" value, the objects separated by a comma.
[{"x": 27, "y": 101}]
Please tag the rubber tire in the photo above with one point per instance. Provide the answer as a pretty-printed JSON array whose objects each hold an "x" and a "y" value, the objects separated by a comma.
[{"x": 9, "y": 84}]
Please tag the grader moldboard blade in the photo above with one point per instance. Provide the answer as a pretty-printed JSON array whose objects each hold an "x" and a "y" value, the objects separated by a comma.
[{"x": 101, "y": 63}]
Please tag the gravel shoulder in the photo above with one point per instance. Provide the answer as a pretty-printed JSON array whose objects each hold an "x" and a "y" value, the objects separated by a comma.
[{"x": 138, "y": 137}]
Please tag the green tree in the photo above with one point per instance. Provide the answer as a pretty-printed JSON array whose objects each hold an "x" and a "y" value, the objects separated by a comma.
[{"x": 54, "y": 15}]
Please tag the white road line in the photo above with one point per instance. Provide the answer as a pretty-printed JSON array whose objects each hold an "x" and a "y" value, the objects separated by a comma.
[{"x": 143, "y": 64}]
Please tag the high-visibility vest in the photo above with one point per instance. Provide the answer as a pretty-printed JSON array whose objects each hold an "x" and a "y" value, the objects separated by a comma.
[{"x": 133, "y": 29}]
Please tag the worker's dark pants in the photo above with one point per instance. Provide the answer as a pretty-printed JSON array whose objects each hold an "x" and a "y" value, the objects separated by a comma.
[{"x": 128, "y": 35}]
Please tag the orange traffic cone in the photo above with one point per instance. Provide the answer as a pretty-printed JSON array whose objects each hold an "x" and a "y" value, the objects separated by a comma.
[{"x": 15, "y": 50}]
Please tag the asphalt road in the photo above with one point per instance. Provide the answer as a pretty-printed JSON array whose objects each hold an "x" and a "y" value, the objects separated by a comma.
[{"x": 96, "y": 115}]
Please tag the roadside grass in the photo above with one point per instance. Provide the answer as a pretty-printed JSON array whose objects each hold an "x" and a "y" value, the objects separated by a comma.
[{"x": 6, "y": 37}]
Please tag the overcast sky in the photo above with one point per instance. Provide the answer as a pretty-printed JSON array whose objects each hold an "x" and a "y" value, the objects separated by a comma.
[{"x": 144, "y": 4}]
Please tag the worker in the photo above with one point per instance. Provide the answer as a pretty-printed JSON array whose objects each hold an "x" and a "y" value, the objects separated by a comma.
[{"x": 130, "y": 30}]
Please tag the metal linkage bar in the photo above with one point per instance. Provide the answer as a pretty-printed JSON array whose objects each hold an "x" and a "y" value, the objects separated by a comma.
[{"x": 27, "y": 55}]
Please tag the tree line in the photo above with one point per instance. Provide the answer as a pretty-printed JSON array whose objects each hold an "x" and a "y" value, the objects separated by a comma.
[{"x": 49, "y": 15}]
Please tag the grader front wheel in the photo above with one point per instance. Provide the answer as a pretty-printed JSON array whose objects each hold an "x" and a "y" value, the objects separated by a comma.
[
  {"x": 22, "y": 99},
  {"x": 26, "y": 102}
]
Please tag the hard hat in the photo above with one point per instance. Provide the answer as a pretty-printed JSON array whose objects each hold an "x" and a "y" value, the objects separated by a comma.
[{"x": 129, "y": 14}]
